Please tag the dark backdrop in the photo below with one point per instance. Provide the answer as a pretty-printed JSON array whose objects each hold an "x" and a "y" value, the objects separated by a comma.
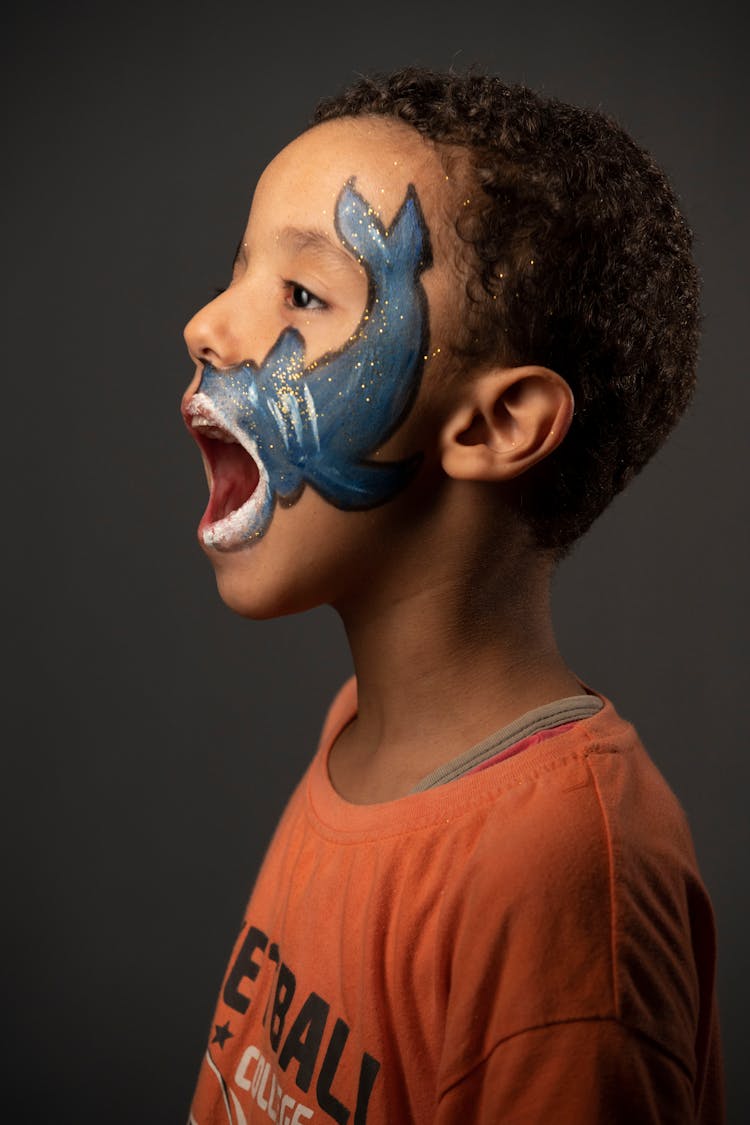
[{"x": 149, "y": 743}]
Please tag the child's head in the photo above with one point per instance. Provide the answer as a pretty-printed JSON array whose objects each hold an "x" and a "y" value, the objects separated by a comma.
[
  {"x": 425, "y": 276},
  {"x": 577, "y": 259},
  {"x": 309, "y": 366}
]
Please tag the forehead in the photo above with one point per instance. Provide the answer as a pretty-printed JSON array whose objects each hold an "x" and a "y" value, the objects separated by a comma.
[{"x": 300, "y": 186}]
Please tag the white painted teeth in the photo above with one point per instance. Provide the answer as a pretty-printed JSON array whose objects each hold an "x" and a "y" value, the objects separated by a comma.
[{"x": 210, "y": 430}]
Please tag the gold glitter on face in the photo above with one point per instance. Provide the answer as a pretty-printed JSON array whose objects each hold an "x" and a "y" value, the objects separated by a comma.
[
  {"x": 293, "y": 259},
  {"x": 309, "y": 423}
]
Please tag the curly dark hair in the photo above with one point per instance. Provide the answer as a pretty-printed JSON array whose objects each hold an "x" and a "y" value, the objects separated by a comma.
[{"x": 579, "y": 260}]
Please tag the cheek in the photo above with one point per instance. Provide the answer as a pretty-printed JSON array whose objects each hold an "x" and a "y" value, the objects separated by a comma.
[{"x": 420, "y": 431}]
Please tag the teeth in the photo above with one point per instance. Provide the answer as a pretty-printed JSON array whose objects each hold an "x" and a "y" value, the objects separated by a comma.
[{"x": 210, "y": 430}]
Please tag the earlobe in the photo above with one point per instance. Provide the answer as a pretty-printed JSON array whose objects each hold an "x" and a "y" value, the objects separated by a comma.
[{"x": 505, "y": 421}]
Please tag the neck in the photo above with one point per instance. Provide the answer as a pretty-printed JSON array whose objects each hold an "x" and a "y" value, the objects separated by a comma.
[{"x": 442, "y": 666}]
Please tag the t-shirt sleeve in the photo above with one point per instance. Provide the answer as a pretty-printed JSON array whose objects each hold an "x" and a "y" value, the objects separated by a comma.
[
  {"x": 585, "y": 1072},
  {"x": 579, "y": 992}
]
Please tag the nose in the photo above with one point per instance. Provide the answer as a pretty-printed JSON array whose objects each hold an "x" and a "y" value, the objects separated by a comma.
[{"x": 212, "y": 335}]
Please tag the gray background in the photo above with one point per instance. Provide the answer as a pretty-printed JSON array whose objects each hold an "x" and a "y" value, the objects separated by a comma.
[{"x": 151, "y": 737}]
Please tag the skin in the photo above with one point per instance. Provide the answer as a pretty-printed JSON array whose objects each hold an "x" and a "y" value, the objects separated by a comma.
[
  {"x": 316, "y": 425},
  {"x": 440, "y": 590}
]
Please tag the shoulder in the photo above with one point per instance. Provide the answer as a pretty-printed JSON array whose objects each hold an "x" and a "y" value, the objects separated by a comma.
[
  {"x": 574, "y": 901},
  {"x": 587, "y": 804}
]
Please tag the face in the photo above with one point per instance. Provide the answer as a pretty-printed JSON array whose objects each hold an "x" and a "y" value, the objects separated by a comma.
[{"x": 308, "y": 368}]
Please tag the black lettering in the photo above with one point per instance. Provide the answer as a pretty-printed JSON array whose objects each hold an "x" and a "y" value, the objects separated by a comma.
[
  {"x": 368, "y": 1072},
  {"x": 285, "y": 986},
  {"x": 244, "y": 968},
  {"x": 304, "y": 1039},
  {"x": 327, "y": 1101},
  {"x": 273, "y": 955}
]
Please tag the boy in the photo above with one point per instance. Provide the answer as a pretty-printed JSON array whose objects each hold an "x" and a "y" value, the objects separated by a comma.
[{"x": 461, "y": 318}]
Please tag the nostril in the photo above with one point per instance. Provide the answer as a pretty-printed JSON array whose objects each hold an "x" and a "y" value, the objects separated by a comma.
[{"x": 211, "y": 338}]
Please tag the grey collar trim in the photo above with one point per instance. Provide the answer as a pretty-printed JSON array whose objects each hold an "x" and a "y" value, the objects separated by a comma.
[{"x": 541, "y": 718}]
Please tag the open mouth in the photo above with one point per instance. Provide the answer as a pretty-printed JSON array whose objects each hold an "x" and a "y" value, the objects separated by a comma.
[{"x": 236, "y": 477}]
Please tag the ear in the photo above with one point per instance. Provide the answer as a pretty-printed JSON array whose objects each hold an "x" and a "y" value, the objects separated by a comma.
[{"x": 505, "y": 421}]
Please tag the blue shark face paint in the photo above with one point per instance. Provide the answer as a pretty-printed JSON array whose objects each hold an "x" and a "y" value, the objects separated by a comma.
[{"x": 317, "y": 424}]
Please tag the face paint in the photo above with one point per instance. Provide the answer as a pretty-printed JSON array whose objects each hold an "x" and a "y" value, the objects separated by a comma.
[{"x": 318, "y": 424}]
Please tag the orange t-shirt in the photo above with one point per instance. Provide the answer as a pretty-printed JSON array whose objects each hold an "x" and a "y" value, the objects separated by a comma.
[{"x": 529, "y": 944}]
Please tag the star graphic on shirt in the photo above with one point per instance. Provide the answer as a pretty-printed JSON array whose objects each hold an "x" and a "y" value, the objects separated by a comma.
[{"x": 222, "y": 1034}]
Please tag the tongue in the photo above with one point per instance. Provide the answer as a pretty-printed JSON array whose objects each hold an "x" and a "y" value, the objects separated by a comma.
[{"x": 235, "y": 478}]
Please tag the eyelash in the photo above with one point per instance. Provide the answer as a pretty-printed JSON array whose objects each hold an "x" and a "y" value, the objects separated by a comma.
[{"x": 290, "y": 285}]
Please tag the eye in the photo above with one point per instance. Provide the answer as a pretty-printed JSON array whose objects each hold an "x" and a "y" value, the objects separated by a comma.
[{"x": 300, "y": 298}]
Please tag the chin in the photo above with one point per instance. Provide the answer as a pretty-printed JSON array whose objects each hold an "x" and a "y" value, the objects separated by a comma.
[{"x": 257, "y": 594}]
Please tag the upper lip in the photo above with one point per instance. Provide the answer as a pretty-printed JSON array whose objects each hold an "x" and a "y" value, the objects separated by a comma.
[{"x": 200, "y": 413}]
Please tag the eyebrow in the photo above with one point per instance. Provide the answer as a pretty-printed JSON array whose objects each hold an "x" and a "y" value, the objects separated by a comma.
[{"x": 298, "y": 240}]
